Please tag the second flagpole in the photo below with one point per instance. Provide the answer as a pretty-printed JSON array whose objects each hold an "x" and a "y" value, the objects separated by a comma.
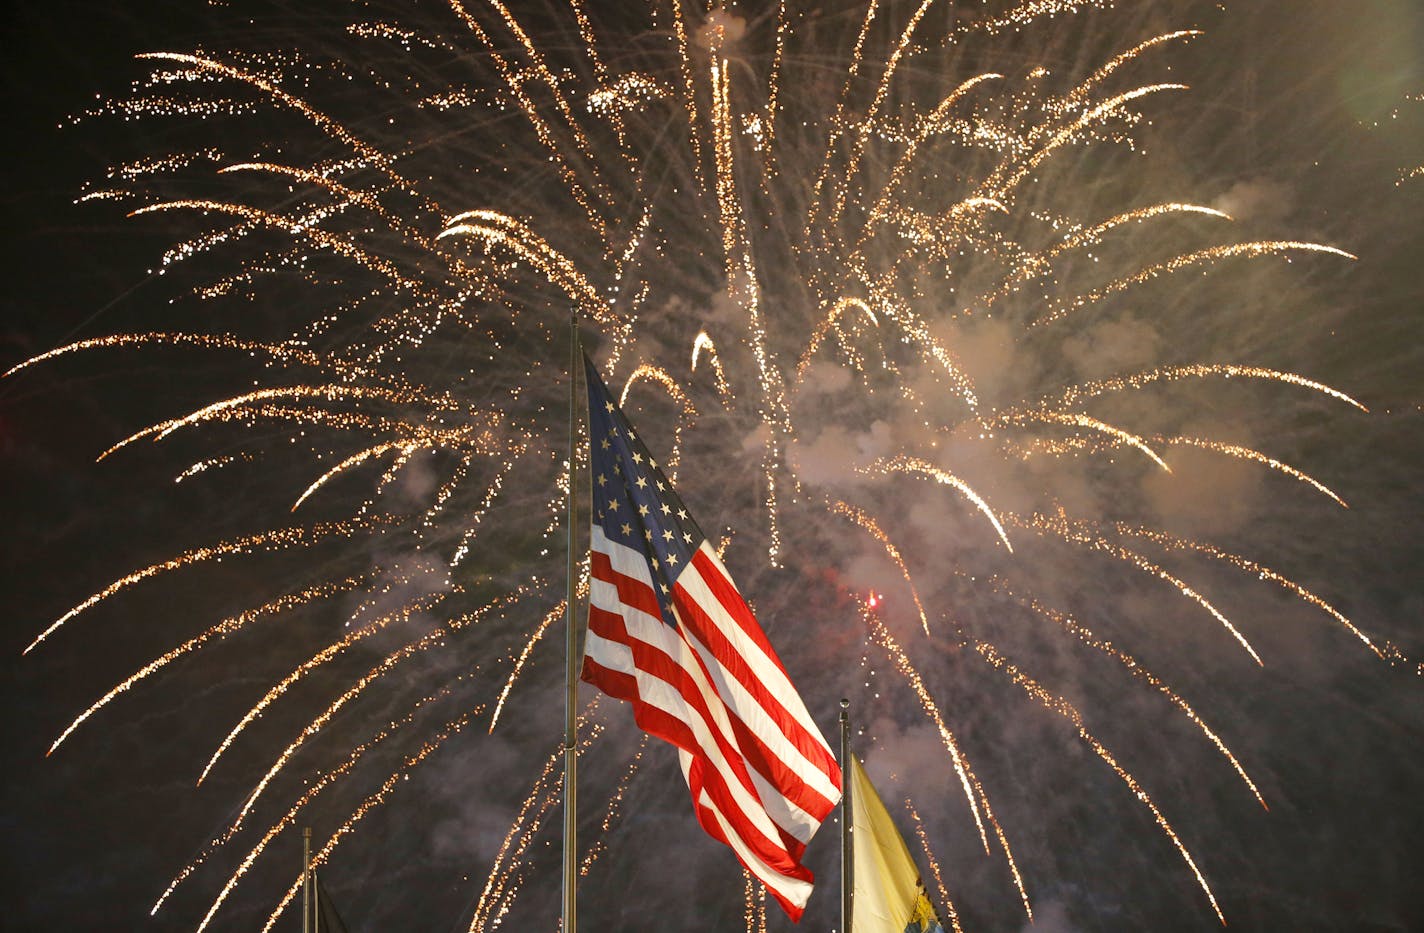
[
  {"x": 570, "y": 910},
  {"x": 846, "y": 867}
]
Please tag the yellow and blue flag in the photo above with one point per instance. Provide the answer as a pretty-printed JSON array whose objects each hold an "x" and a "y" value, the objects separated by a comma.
[{"x": 889, "y": 896}]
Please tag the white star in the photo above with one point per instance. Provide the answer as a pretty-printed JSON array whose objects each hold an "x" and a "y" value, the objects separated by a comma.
[
  {"x": 613, "y": 505},
  {"x": 627, "y": 528},
  {"x": 642, "y": 482},
  {"x": 672, "y": 560},
  {"x": 642, "y": 510},
  {"x": 602, "y": 480}
]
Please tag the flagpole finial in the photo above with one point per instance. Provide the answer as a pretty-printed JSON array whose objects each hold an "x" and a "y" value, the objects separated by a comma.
[{"x": 845, "y": 703}]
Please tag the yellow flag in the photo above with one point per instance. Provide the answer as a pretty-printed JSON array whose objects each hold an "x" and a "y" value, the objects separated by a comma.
[{"x": 888, "y": 894}]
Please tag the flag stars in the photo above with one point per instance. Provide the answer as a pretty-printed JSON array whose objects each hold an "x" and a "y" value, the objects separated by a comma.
[
  {"x": 643, "y": 510},
  {"x": 642, "y": 482},
  {"x": 637, "y": 457},
  {"x": 627, "y": 529},
  {"x": 602, "y": 480},
  {"x": 604, "y": 444},
  {"x": 612, "y": 505}
]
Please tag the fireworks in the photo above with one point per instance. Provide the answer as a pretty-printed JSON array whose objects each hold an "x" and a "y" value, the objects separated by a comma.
[{"x": 877, "y": 277}]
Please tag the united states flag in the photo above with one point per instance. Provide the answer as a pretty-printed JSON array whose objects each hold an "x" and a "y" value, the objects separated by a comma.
[{"x": 669, "y": 633}]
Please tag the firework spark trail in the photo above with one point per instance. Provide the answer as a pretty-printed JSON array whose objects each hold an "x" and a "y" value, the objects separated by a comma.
[
  {"x": 262, "y": 541},
  {"x": 703, "y": 342},
  {"x": 550, "y": 617},
  {"x": 330, "y": 652},
  {"x": 281, "y": 352},
  {"x": 924, "y": 839},
  {"x": 614, "y": 809},
  {"x": 1246, "y": 453},
  {"x": 973, "y": 789},
  {"x": 221, "y": 630},
  {"x": 913, "y": 465},
  {"x": 1135, "y": 668},
  {"x": 289, "y": 818},
  {"x": 754, "y": 904},
  {"x": 1082, "y": 421},
  {"x": 498, "y": 229},
  {"x": 450, "y": 439},
  {"x": 435, "y": 637},
  {"x": 345, "y": 247},
  {"x": 502, "y": 884},
  {"x": 1065, "y": 709},
  {"x": 541, "y": 128},
  {"x": 256, "y": 400},
  {"x": 1035, "y": 265},
  {"x": 1059, "y": 309},
  {"x": 1087, "y": 390},
  {"x": 1058, "y": 526},
  {"x": 371, "y": 802},
  {"x": 1385, "y": 652},
  {"x": 827, "y": 324},
  {"x": 1013, "y": 173},
  {"x": 864, "y": 520}
]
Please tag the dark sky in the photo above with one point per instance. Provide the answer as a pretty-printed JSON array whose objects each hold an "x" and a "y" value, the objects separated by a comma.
[{"x": 1293, "y": 91}]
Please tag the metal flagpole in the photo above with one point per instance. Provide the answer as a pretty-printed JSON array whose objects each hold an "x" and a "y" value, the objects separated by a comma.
[
  {"x": 306, "y": 879},
  {"x": 846, "y": 780},
  {"x": 570, "y": 915}
]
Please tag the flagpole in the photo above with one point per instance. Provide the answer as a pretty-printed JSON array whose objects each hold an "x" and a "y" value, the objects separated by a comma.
[
  {"x": 846, "y": 866},
  {"x": 306, "y": 879},
  {"x": 570, "y": 914}
]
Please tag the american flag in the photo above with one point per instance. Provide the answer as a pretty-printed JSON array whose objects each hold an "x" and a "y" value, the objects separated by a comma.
[{"x": 669, "y": 633}]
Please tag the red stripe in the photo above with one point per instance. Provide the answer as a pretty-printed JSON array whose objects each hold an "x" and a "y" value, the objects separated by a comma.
[{"x": 631, "y": 591}]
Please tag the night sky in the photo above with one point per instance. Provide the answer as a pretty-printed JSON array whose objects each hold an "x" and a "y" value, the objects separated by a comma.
[{"x": 1294, "y": 104}]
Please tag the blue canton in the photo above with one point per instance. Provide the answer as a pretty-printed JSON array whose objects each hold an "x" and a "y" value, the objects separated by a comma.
[{"x": 633, "y": 501}]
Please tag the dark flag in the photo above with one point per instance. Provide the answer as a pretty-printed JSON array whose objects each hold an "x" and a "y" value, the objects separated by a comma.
[{"x": 327, "y": 920}]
